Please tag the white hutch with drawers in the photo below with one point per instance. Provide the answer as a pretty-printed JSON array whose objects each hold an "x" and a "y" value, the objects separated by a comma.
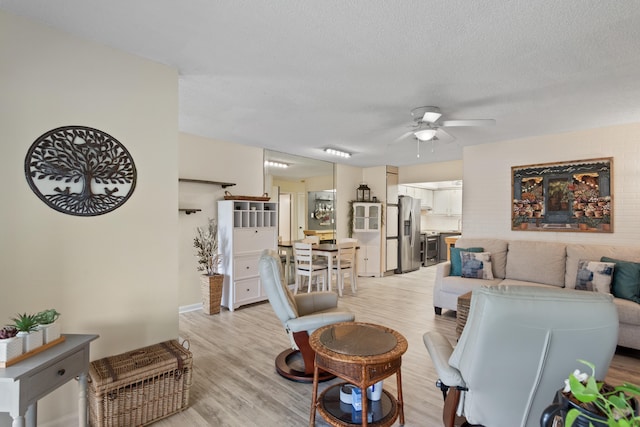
[{"x": 245, "y": 229}]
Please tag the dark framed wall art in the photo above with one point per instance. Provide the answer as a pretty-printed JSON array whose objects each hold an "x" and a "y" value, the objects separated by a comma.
[
  {"x": 81, "y": 171},
  {"x": 565, "y": 196}
]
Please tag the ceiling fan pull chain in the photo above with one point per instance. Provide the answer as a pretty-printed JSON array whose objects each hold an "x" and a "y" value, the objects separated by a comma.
[{"x": 418, "y": 147}]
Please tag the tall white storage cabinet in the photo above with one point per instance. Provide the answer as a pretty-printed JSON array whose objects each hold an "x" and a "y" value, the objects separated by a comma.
[
  {"x": 245, "y": 229},
  {"x": 367, "y": 218}
]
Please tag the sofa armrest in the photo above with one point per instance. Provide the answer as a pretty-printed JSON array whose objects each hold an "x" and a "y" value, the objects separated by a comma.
[{"x": 443, "y": 269}]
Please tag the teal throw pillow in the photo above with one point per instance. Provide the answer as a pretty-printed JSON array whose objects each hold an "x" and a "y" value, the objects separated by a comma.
[
  {"x": 456, "y": 261},
  {"x": 626, "y": 279}
]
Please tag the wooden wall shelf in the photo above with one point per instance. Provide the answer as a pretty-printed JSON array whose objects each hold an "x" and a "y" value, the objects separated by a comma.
[
  {"x": 189, "y": 211},
  {"x": 201, "y": 181}
]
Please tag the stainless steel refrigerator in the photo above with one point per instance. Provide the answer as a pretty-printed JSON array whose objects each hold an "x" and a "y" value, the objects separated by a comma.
[{"x": 408, "y": 234}]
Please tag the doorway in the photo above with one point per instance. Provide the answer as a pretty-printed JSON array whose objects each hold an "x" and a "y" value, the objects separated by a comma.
[{"x": 284, "y": 219}]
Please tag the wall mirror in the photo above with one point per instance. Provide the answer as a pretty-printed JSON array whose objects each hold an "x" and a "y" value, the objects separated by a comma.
[{"x": 305, "y": 191}]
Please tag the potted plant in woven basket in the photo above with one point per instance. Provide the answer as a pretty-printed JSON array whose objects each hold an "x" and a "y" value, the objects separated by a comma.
[
  {"x": 586, "y": 403},
  {"x": 206, "y": 243},
  {"x": 27, "y": 326},
  {"x": 10, "y": 343},
  {"x": 47, "y": 323}
]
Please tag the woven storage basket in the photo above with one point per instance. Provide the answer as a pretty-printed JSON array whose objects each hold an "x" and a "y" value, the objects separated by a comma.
[
  {"x": 141, "y": 386},
  {"x": 211, "y": 288},
  {"x": 464, "y": 304}
]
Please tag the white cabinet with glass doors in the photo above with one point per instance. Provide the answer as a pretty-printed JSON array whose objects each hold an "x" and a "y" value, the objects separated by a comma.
[{"x": 367, "y": 220}]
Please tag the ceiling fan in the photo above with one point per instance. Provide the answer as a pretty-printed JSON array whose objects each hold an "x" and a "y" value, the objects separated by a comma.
[{"x": 428, "y": 125}]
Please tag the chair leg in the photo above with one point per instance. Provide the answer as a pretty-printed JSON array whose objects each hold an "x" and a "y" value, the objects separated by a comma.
[
  {"x": 450, "y": 406},
  {"x": 354, "y": 285}
]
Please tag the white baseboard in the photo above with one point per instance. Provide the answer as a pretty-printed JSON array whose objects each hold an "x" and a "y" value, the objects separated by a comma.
[
  {"x": 65, "y": 421},
  {"x": 190, "y": 307}
]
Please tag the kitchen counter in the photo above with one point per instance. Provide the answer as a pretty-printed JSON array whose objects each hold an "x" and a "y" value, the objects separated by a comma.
[
  {"x": 325, "y": 235},
  {"x": 446, "y": 242}
]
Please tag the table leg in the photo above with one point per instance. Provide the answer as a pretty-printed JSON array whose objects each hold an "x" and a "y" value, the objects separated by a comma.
[
  {"x": 31, "y": 416},
  {"x": 18, "y": 421},
  {"x": 365, "y": 414},
  {"x": 329, "y": 270},
  {"x": 314, "y": 397},
  {"x": 82, "y": 400},
  {"x": 400, "y": 401}
]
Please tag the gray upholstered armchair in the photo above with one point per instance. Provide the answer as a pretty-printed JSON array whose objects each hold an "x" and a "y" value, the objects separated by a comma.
[
  {"x": 518, "y": 346},
  {"x": 300, "y": 315}
]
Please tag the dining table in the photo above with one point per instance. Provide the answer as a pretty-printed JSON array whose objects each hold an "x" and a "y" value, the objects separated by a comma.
[{"x": 328, "y": 250}]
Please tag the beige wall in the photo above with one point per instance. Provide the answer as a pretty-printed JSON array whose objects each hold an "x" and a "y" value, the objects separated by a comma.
[
  {"x": 487, "y": 182},
  {"x": 207, "y": 159},
  {"x": 319, "y": 183},
  {"x": 347, "y": 180},
  {"x": 431, "y": 172},
  {"x": 115, "y": 274}
]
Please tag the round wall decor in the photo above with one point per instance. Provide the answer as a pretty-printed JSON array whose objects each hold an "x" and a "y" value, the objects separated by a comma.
[{"x": 78, "y": 170}]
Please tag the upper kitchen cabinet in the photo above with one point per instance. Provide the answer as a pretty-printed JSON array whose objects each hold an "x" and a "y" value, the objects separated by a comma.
[
  {"x": 447, "y": 202},
  {"x": 426, "y": 198}
]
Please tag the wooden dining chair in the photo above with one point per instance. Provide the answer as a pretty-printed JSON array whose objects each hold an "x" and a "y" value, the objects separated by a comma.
[
  {"x": 314, "y": 240},
  {"x": 305, "y": 267},
  {"x": 345, "y": 264}
]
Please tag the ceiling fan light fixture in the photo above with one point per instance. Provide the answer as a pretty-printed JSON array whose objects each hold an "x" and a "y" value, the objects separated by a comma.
[
  {"x": 338, "y": 153},
  {"x": 425, "y": 134}
]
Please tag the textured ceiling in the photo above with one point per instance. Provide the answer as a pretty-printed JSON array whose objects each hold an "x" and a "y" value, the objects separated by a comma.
[{"x": 298, "y": 76}]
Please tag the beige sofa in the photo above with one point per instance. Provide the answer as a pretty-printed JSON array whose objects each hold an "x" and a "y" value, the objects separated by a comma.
[{"x": 518, "y": 262}]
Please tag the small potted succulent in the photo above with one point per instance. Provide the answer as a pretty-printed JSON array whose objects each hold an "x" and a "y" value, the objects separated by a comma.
[
  {"x": 47, "y": 323},
  {"x": 10, "y": 343},
  {"x": 27, "y": 326}
]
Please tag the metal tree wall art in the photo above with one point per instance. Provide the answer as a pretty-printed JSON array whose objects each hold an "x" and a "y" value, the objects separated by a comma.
[{"x": 80, "y": 171}]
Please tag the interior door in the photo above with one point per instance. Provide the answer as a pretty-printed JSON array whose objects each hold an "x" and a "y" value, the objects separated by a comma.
[
  {"x": 301, "y": 215},
  {"x": 284, "y": 220}
]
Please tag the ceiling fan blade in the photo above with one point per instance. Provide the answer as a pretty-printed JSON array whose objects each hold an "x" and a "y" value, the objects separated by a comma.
[
  {"x": 469, "y": 122},
  {"x": 404, "y": 135},
  {"x": 444, "y": 136}
]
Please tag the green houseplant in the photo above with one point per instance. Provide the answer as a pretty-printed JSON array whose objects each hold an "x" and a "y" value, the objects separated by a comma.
[
  {"x": 27, "y": 326},
  {"x": 209, "y": 259},
  {"x": 47, "y": 323},
  {"x": 586, "y": 402},
  {"x": 47, "y": 317},
  {"x": 617, "y": 404},
  {"x": 25, "y": 322}
]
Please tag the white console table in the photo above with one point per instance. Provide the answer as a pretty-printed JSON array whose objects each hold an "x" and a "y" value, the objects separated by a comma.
[{"x": 23, "y": 384}]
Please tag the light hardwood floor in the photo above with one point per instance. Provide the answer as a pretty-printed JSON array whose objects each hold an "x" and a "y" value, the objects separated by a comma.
[{"x": 234, "y": 380}]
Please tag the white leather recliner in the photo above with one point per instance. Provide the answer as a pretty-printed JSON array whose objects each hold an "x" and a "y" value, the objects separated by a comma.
[
  {"x": 518, "y": 346},
  {"x": 300, "y": 314}
]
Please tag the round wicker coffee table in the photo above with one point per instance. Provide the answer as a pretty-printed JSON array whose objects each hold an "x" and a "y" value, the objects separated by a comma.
[{"x": 361, "y": 354}]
